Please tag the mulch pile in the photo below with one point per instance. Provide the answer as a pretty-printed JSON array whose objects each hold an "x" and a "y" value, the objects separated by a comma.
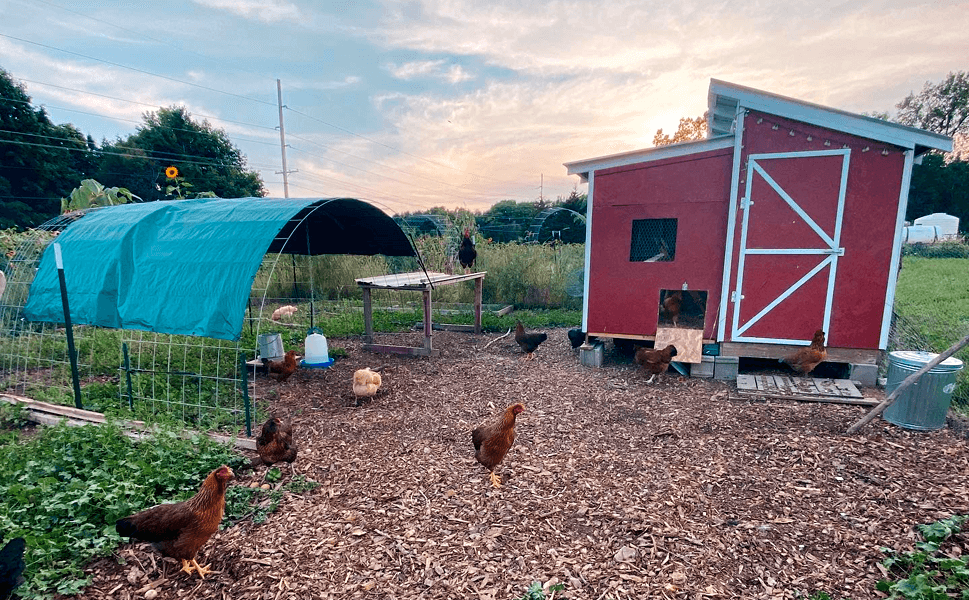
[{"x": 615, "y": 488}]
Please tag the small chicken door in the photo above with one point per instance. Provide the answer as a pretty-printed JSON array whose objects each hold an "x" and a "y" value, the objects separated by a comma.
[{"x": 681, "y": 321}]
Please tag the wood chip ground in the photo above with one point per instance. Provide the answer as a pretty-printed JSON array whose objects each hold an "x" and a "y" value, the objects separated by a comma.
[{"x": 616, "y": 488}]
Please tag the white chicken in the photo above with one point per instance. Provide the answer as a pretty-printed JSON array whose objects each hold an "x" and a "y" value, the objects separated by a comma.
[{"x": 365, "y": 383}]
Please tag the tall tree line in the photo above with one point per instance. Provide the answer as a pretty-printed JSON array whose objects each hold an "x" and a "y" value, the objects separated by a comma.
[{"x": 41, "y": 162}]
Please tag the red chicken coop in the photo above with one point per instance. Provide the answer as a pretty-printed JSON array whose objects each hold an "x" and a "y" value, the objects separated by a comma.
[{"x": 786, "y": 219}]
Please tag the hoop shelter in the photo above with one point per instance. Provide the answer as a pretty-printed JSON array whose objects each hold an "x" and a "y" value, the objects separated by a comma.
[{"x": 186, "y": 267}]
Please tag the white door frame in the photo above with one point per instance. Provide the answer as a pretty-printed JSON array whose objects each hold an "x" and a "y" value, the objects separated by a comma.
[{"x": 829, "y": 251}]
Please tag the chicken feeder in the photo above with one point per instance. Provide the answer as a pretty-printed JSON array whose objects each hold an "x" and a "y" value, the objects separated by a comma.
[{"x": 923, "y": 406}]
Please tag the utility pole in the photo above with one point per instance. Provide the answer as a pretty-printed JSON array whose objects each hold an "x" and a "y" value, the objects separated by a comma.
[{"x": 282, "y": 139}]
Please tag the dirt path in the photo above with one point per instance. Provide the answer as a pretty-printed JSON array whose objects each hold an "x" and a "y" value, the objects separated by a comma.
[{"x": 616, "y": 488}]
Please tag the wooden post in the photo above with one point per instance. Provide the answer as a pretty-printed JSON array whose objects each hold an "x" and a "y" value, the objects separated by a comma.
[
  {"x": 367, "y": 317},
  {"x": 71, "y": 352},
  {"x": 478, "y": 285},
  {"x": 906, "y": 383},
  {"x": 427, "y": 320}
]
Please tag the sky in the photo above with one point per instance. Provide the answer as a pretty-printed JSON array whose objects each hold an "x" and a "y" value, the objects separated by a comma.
[{"x": 411, "y": 104}]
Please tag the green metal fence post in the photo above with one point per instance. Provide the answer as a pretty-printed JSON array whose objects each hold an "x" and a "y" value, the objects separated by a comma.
[{"x": 71, "y": 352}]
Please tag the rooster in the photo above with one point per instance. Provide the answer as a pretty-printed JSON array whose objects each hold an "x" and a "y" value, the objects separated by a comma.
[
  {"x": 655, "y": 362},
  {"x": 365, "y": 384},
  {"x": 281, "y": 370},
  {"x": 180, "y": 530},
  {"x": 528, "y": 342},
  {"x": 492, "y": 441},
  {"x": 804, "y": 360},
  {"x": 11, "y": 566},
  {"x": 467, "y": 254},
  {"x": 275, "y": 443}
]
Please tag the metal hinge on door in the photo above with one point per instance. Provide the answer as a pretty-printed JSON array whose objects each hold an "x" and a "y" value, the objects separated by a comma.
[
  {"x": 733, "y": 296},
  {"x": 746, "y": 203}
]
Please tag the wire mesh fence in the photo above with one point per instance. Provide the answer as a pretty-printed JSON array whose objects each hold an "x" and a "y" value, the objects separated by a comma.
[{"x": 212, "y": 383}]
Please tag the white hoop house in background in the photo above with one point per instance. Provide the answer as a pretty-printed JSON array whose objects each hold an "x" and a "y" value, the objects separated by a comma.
[{"x": 167, "y": 299}]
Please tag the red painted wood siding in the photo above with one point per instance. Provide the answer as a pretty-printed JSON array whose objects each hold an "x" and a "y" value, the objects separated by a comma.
[
  {"x": 624, "y": 295},
  {"x": 868, "y": 230}
]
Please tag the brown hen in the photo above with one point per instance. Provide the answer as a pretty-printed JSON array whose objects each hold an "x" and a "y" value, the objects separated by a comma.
[
  {"x": 806, "y": 359},
  {"x": 672, "y": 305},
  {"x": 655, "y": 362},
  {"x": 179, "y": 530},
  {"x": 282, "y": 369},
  {"x": 275, "y": 443},
  {"x": 528, "y": 342},
  {"x": 492, "y": 441}
]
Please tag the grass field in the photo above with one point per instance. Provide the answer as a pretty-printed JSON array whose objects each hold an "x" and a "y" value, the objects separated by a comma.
[{"x": 932, "y": 304}]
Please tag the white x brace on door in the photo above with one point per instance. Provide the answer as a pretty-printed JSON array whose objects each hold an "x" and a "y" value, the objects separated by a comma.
[{"x": 826, "y": 246}]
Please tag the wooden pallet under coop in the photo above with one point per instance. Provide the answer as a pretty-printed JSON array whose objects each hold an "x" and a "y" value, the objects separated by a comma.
[{"x": 809, "y": 389}]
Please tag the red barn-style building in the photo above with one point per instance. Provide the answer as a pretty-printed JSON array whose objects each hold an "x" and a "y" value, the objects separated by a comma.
[{"x": 786, "y": 219}]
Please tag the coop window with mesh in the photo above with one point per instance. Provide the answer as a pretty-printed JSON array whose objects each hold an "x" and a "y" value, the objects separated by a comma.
[{"x": 653, "y": 240}]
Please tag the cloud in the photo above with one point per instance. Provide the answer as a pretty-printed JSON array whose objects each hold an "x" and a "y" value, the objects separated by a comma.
[
  {"x": 267, "y": 11},
  {"x": 435, "y": 69}
]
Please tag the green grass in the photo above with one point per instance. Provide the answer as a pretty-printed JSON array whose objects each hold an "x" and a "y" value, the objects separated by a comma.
[
  {"x": 932, "y": 303},
  {"x": 63, "y": 489}
]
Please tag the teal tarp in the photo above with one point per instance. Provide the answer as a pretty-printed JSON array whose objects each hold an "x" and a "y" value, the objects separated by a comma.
[{"x": 187, "y": 267}]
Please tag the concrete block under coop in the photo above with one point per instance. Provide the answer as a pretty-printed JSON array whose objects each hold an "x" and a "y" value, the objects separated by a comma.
[
  {"x": 590, "y": 355},
  {"x": 704, "y": 368},
  {"x": 725, "y": 367}
]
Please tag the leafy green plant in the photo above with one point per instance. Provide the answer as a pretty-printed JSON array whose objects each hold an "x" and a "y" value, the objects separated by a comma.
[
  {"x": 952, "y": 249},
  {"x": 91, "y": 193},
  {"x": 926, "y": 573},
  {"x": 537, "y": 592},
  {"x": 63, "y": 489}
]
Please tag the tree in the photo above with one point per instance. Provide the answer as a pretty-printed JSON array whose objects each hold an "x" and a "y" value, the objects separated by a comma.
[
  {"x": 940, "y": 184},
  {"x": 507, "y": 221},
  {"x": 688, "y": 130},
  {"x": 942, "y": 108},
  {"x": 203, "y": 155},
  {"x": 39, "y": 162}
]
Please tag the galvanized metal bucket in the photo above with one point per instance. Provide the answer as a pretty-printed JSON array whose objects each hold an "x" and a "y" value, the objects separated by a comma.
[
  {"x": 924, "y": 405},
  {"x": 270, "y": 345}
]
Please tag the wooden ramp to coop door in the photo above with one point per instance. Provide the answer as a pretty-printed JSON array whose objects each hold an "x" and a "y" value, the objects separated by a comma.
[
  {"x": 684, "y": 328},
  {"x": 688, "y": 343}
]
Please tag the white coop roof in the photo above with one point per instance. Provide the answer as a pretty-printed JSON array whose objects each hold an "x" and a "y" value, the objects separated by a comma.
[{"x": 724, "y": 98}]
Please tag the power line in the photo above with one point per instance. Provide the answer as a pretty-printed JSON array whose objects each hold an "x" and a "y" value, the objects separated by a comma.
[
  {"x": 142, "y": 35},
  {"x": 69, "y": 89},
  {"x": 125, "y": 154},
  {"x": 379, "y": 194},
  {"x": 143, "y": 72}
]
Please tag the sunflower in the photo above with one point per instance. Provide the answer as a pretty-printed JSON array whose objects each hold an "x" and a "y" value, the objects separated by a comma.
[{"x": 171, "y": 172}]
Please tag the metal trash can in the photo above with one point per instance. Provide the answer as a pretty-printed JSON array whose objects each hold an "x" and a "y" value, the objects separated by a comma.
[
  {"x": 923, "y": 405},
  {"x": 270, "y": 345}
]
